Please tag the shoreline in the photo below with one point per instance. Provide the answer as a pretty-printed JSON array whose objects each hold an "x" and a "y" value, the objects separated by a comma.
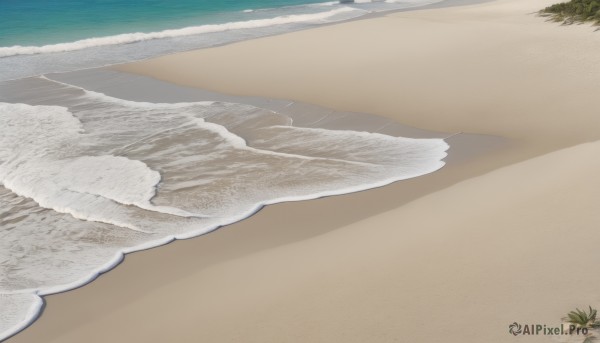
[
  {"x": 95, "y": 80},
  {"x": 136, "y": 88},
  {"x": 68, "y": 320}
]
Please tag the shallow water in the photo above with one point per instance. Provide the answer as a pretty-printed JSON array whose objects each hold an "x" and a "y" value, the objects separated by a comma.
[
  {"x": 39, "y": 37},
  {"x": 87, "y": 177}
]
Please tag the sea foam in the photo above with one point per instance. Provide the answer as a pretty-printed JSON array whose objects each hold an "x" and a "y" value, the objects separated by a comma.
[
  {"x": 86, "y": 178},
  {"x": 187, "y": 31}
]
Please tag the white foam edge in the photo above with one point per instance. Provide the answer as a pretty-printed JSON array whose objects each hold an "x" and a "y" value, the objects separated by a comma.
[
  {"x": 33, "y": 314},
  {"x": 235, "y": 140},
  {"x": 102, "y": 96},
  {"x": 127, "y": 38},
  {"x": 196, "y": 233}
]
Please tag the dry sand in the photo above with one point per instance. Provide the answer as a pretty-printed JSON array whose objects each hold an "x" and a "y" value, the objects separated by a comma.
[{"x": 453, "y": 256}]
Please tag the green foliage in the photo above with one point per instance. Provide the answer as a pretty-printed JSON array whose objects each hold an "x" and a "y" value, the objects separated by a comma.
[
  {"x": 583, "y": 319},
  {"x": 574, "y": 11}
]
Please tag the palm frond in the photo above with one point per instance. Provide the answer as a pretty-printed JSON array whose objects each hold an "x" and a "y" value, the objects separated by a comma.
[{"x": 583, "y": 318}]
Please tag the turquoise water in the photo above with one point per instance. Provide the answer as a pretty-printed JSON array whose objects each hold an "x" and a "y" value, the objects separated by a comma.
[
  {"x": 99, "y": 177},
  {"x": 40, "y": 22},
  {"x": 38, "y": 37}
]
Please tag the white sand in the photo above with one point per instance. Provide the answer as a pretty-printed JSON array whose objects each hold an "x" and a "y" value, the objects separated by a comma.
[{"x": 446, "y": 262}]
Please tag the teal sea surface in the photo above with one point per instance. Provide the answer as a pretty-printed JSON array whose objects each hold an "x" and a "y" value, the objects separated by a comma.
[
  {"x": 41, "y": 22},
  {"x": 39, "y": 37}
]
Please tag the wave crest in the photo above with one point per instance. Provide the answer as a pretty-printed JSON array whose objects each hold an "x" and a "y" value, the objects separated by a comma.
[{"x": 128, "y": 38}]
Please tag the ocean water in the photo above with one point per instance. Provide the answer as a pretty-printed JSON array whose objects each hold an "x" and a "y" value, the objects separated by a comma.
[
  {"x": 86, "y": 177},
  {"x": 39, "y": 36}
]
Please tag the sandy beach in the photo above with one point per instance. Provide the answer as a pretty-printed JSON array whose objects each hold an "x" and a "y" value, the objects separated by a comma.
[{"x": 453, "y": 256}]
